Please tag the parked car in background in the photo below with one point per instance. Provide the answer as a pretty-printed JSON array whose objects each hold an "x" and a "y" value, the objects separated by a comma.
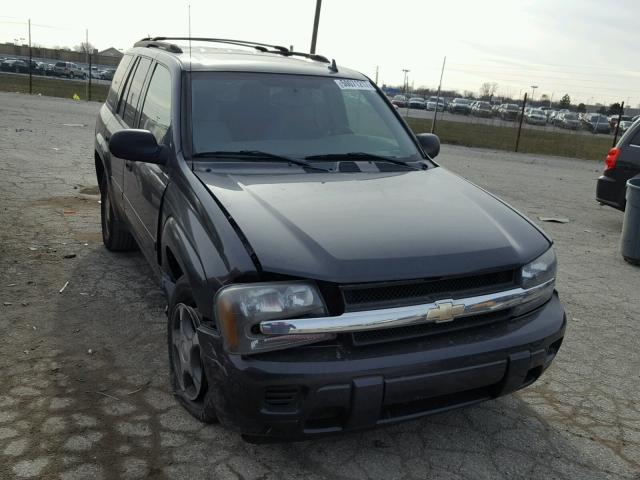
[
  {"x": 436, "y": 102},
  {"x": 460, "y": 105},
  {"x": 621, "y": 164},
  {"x": 536, "y": 116},
  {"x": 15, "y": 65},
  {"x": 69, "y": 70},
  {"x": 625, "y": 125},
  {"x": 481, "y": 109},
  {"x": 509, "y": 111},
  {"x": 613, "y": 120},
  {"x": 399, "y": 101},
  {"x": 568, "y": 120},
  {"x": 107, "y": 74},
  {"x": 597, "y": 123},
  {"x": 417, "y": 102},
  {"x": 48, "y": 69}
]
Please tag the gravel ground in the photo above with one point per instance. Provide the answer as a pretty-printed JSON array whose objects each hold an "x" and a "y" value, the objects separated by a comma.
[{"x": 83, "y": 371}]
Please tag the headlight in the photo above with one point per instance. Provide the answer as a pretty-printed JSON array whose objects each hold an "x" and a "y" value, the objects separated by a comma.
[
  {"x": 537, "y": 277},
  {"x": 541, "y": 270},
  {"x": 240, "y": 309}
]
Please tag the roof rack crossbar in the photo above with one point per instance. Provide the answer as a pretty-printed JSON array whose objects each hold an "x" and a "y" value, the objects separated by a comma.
[
  {"x": 243, "y": 43},
  {"x": 160, "y": 42}
]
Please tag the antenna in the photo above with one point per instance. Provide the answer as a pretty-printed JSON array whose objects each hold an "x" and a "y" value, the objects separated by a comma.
[{"x": 189, "y": 38}]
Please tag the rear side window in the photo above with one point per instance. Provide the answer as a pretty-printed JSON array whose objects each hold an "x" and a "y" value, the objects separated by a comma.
[
  {"x": 118, "y": 78},
  {"x": 134, "y": 90},
  {"x": 635, "y": 140},
  {"x": 156, "y": 111}
]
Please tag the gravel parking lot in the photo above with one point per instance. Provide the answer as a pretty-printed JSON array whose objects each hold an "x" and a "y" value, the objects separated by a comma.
[{"x": 83, "y": 371}]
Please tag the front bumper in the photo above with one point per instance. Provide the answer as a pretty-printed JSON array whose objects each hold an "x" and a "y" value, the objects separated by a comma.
[{"x": 318, "y": 390}]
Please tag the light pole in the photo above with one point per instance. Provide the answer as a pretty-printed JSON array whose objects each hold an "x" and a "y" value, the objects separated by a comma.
[
  {"x": 406, "y": 80},
  {"x": 533, "y": 91},
  {"x": 316, "y": 21}
]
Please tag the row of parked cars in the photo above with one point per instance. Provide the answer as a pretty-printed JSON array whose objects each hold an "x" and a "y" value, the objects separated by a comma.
[
  {"x": 593, "y": 122},
  {"x": 58, "y": 69}
]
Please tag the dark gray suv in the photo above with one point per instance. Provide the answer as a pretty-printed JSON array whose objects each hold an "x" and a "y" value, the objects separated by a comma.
[{"x": 323, "y": 273}]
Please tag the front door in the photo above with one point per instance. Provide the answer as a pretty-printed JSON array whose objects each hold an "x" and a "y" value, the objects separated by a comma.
[{"x": 144, "y": 183}]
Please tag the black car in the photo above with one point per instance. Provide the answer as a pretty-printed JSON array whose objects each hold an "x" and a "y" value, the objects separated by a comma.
[
  {"x": 621, "y": 164},
  {"x": 323, "y": 273},
  {"x": 14, "y": 65}
]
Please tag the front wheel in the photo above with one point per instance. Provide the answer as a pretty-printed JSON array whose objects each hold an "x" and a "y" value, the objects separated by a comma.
[{"x": 187, "y": 373}]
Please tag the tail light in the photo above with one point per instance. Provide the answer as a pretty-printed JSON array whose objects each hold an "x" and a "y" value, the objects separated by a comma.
[{"x": 612, "y": 158}]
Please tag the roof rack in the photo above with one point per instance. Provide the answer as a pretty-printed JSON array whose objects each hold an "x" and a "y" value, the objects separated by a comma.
[
  {"x": 151, "y": 43},
  {"x": 160, "y": 42}
]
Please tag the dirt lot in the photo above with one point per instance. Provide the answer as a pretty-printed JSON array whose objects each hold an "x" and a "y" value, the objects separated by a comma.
[{"x": 83, "y": 372}]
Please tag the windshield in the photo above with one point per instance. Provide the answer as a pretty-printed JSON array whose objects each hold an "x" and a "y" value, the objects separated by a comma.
[
  {"x": 293, "y": 115},
  {"x": 570, "y": 116}
]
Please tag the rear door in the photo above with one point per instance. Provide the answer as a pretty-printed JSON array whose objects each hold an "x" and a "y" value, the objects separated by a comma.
[
  {"x": 144, "y": 183},
  {"x": 115, "y": 103}
]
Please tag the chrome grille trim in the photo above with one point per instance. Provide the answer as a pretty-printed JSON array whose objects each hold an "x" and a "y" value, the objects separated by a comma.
[{"x": 434, "y": 312}]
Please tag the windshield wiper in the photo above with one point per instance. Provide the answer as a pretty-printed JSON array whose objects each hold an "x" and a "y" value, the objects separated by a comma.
[
  {"x": 361, "y": 156},
  {"x": 257, "y": 154}
]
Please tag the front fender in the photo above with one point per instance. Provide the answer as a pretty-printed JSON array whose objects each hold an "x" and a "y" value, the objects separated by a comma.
[{"x": 176, "y": 241}]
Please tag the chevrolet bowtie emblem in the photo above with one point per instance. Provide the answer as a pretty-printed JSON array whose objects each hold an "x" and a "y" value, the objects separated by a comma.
[{"x": 445, "y": 311}]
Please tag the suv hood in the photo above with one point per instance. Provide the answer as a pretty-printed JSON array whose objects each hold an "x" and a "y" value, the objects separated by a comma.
[{"x": 364, "y": 227}]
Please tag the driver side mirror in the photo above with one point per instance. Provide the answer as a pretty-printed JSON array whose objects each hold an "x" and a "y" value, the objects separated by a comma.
[
  {"x": 137, "y": 146},
  {"x": 430, "y": 143}
]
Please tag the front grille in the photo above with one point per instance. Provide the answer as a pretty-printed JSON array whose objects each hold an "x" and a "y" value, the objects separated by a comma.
[
  {"x": 368, "y": 296},
  {"x": 372, "y": 337}
]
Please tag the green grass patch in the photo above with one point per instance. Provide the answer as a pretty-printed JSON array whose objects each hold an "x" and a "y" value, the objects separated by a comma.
[
  {"x": 52, "y": 87},
  {"x": 565, "y": 144}
]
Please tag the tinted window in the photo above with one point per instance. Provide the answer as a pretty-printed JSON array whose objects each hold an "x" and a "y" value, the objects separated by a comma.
[
  {"x": 635, "y": 139},
  {"x": 134, "y": 90},
  {"x": 294, "y": 115},
  {"x": 118, "y": 78},
  {"x": 156, "y": 112}
]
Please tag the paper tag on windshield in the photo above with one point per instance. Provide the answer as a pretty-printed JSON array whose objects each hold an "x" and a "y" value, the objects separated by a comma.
[{"x": 346, "y": 84}]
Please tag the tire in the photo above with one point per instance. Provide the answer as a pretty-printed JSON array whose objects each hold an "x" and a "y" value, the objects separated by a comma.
[
  {"x": 190, "y": 388},
  {"x": 115, "y": 235}
]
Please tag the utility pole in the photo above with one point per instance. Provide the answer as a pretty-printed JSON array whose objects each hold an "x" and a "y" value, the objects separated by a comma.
[
  {"x": 86, "y": 60},
  {"x": 435, "y": 112},
  {"x": 30, "y": 66},
  {"x": 406, "y": 80},
  {"x": 524, "y": 104},
  {"x": 377, "y": 74},
  {"x": 316, "y": 21}
]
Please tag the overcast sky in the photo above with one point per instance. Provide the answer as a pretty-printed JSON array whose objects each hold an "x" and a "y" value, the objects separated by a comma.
[{"x": 587, "y": 48}]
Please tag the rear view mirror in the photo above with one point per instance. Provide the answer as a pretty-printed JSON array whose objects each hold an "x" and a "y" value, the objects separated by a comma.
[
  {"x": 137, "y": 146},
  {"x": 430, "y": 143}
]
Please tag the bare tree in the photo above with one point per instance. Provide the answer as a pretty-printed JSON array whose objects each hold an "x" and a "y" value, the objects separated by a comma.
[
  {"x": 487, "y": 89},
  {"x": 84, "y": 47}
]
